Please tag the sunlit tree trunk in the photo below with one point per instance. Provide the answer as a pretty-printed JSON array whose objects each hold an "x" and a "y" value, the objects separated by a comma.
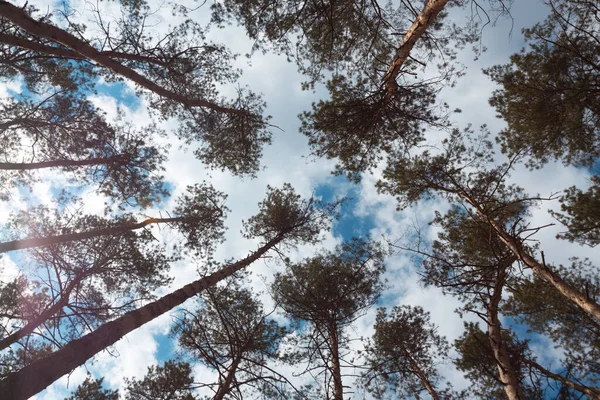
[
  {"x": 20, "y": 18},
  {"x": 538, "y": 268},
  {"x": 507, "y": 373},
  {"x": 40, "y": 374},
  {"x": 430, "y": 11},
  {"x": 70, "y": 237}
]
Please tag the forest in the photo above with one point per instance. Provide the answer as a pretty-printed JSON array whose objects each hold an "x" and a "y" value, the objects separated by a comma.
[{"x": 299, "y": 199}]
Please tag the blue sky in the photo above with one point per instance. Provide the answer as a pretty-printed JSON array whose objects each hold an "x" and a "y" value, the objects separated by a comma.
[{"x": 289, "y": 160}]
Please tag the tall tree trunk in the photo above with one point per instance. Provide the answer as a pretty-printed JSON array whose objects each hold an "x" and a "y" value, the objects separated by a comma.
[
  {"x": 336, "y": 371},
  {"x": 225, "y": 386},
  {"x": 506, "y": 371},
  {"x": 38, "y": 375},
  {"x": 61, "y": 52},
  {"x": 430, "y": 11},
  {"x": 70, "y": 237},
  {"x": 539, "y": 269},
  {"x": 20, "y": 18},
  {"x": 119, "y": 159},
  {"x": 592, "y": 392},
  {"x": 421, "y": 375},
  {"x": 44, "y": 316}
]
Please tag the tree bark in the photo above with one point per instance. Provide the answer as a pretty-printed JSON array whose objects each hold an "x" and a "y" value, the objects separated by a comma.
[
  {"x": 506, "y": 371},
  {"x": 20, "y": 18},
  {"x": 538, "y": 269},
  {"x": 430, "y": 11},
  {"x": 62, "y": 52},
  {"x": 421, "y": 375},
  {"x": 593, "y": 392},
  {"x": 40, "y": 319},
  {"x": 226, "y": 385},
  {"x": 119, "y": 159},
  {"x": 38, "y": 375},
  {"x": 336, "y": 372},
  {"x": 70, "y": 237}
]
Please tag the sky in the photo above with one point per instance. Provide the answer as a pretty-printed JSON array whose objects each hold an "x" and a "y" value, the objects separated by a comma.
[{"x": 288, "y": 159}]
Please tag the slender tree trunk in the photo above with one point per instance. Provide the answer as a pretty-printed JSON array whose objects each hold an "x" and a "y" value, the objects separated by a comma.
[
  {"x": 226, "y": 385},
  {"x": 120, "y": 159},
  {"x": 430, "y": 11},
  {"x": 20, "y": 18},
  {"x": 62, "y": 52},
  {"x": 539, "y": 269},
  {"x": 70, "y": 237},
  {"x": 336, "y": 372},
  {"x": 421, "y": 375},
  {"x": 40, "y": 319},
  {"x": 506, "y": 371},
  {"x": 592, "y": 392},
  {"x": 36, "y": 376}
]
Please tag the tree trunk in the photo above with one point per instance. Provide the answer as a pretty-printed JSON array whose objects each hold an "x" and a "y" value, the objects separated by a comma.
[
  {"x": 70, "y": 237},
  {"x": 61, "y": 52},
  {"x": 593, "y": 392},
  {"x": 336, "y": 372},
  {"x": 538, "y": 269},
  {"x": 119, "y": 159},
  {"x": 430, "y": 11},
  {"x": 421, "y": 375},
  {"x": 226, "y": 385},
  {"x": 40, "y": 319},
  {"x": 507, "y": 373},
  {"x": 20, "y": 18},
  {"x": 38, "y": 375}
]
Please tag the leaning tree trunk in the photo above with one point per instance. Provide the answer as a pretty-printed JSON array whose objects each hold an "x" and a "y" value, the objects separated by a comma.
[
  {"x": 118, "y": 159},
  {"x": 225, "y": 386},
  {"x": 592, "y": 392},
  {"x": 539, "y": 269},
  {"x": 425, "y": 18},
  {"x": 34, "y": 323},
  {"x": 506, "y": 371},
  {"x": 22, "y": 244},
  {"x": 421, "y": 375},
  {"x": 20, "y": 18},
  {"x": 38, "y": 375}
]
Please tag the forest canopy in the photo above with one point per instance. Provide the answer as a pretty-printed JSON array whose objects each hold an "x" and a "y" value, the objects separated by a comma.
[{"x": 283, "y": 199}]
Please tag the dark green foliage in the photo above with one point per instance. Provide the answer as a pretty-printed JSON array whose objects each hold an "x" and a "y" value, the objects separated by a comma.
[
  {"x": 537, "y": 305},
  {"x": 462, "y": 171},
  {"x": 230, "y": 142},
  {"x": 466, "y": 257},
  {"x": 350, "y": 45},
  {"x": 15, "y": 359},
  {"x": 91, "y": 389},
  {"x": 404, "y": 354},
  {"x": 231, "y": 333},
  {"x": 171, "y": 381},
  {"x": 549, "y": 94},
  {"x": 283, "y": 212},
  {"x": 359, "y": 124},
  {"x": 64, "y": 129},
  {"x": 580, "y": 214},
  {"x": 330, "y": 291},
  {"x": 181, "y": 72},
  {"x": 477, "y": 360},
  {"x": 332, "y": 287}
]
